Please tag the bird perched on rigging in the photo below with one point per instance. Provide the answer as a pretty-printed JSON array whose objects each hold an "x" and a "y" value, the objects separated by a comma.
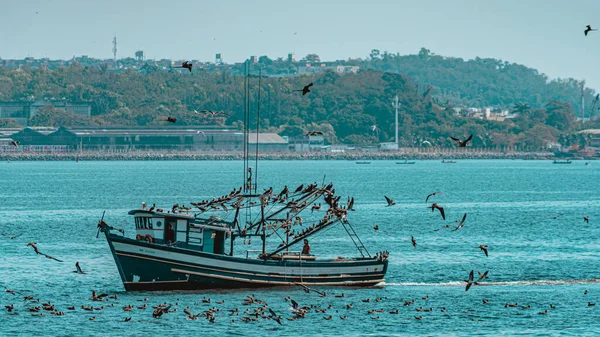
[
  {"x": 588, "y": 29},
  {"x": 462, "y": 143},
  {"x": 186, "y": 65},
  {"x": 306, "y": 89}
]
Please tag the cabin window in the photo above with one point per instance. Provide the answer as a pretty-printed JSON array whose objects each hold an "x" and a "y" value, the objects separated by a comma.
[
  {"x": 145, "y": 222},
  {"x": 149, "y": 223}
]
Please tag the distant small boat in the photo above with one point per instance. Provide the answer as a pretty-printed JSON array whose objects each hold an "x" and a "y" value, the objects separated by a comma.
[
  {"x": 363, "y": 162},
  {"x": 406, "y": 162},
  {"x": 568, "y": 161},
  {"x": 444, "y": 161}
]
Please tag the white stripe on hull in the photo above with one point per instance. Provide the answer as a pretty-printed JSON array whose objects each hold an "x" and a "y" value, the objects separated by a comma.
[
  {"x": 238, "y": 279},
  {"x": 331, "y": 268}
]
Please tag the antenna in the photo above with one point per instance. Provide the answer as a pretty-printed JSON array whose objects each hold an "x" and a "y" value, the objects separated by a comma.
[
  {"x": 396, "y": 105},
  {"x": 114, "y": 50},
  {"x": 582, "y": 102}
]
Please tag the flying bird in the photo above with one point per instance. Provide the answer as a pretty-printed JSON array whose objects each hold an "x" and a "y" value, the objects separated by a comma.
[
  {"x": 12, "y": 237},
  {"x": 35, "y": 248},
  {"x": 390, "y": 202},
  {"x": 461, "y": 223},
  {"x": 306, "y": 89},
  {"x": 308, "y": 290},
  {"x": 15, "y": 143},
  {"x": 314, "y": 133},
  {"x": 469, "y": 281},
  {"x": 585, "y": 218},
  {"x": 435, "y": 206},
  {"x": 482, "y": 276},
  {"x": 588, "y": 29},
  {"x": 462, "y": 143},
  {"x": 78, "y": 271},
  {"x": 186, "y": 65},
  {"x": 432, "y": 194},
  {"x": 171, "y": 119},
  {"x": 414, "y": 242},
  {"x": 484, "y": 248}
]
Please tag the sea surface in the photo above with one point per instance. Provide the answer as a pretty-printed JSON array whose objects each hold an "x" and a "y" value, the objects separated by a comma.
[{"x": 534, "y": 258}]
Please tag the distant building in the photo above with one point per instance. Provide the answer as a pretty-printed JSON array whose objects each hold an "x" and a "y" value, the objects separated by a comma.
[
  {"x": 594, "y": 135},
  {"x": 291, "y": 57},
  {"x": 307, "y": 143},
  {"x": 309, "y": 68},
  {"x": 140, "y": 55},
  {"x": 219, "y": 58},
  {"x": 253, "y": 59},
  {"x": 22, "y": 111},
  {"x": 118, "y": 139}
]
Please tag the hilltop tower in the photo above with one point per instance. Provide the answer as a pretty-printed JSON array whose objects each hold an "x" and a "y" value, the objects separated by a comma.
[{"x": 114, "y": 50}]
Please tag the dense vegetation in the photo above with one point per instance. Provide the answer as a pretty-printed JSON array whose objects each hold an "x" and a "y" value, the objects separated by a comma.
[{"x": 350, "y": 108}]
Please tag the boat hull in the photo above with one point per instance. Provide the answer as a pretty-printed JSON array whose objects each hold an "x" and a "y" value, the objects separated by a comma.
[{"x": 147, "y": 267}]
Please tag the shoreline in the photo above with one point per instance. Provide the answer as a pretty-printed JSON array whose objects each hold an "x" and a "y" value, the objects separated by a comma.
[{"x": 151, "y": 156}]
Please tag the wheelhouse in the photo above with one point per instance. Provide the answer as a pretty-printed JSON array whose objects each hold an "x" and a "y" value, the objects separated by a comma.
[{"x": 181, "y": 230}]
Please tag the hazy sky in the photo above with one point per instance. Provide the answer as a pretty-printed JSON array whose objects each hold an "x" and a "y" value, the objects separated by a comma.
[{"x": 543, "y": 34}]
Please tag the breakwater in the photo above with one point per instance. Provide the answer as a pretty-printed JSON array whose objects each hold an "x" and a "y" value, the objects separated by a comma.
[{"x": 143, "y": 156}]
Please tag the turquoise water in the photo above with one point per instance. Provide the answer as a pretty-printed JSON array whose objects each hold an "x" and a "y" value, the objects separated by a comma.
[{"x": 534, "y": 259}]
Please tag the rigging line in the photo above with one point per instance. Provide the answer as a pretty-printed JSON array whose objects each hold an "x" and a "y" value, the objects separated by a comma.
[{"x": 257, "y": 131}]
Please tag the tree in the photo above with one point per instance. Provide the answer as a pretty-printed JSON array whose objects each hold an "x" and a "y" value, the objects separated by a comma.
[
  {"x": 374, "y": 54},
  {"x": 312, "y": 58},
  {"x": 560, "y": 115},
  {"x": 9, "y": 123},
  {"x": 49, "y": 116}
]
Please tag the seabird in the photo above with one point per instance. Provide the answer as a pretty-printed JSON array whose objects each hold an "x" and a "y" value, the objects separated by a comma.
[
  {"x": 484, "y": 248},
  {"x": 306, "y": 89},
  {"x": 186, "y": 65},
  {"x": 585, "y": 218},
  {"x": 414, "y": 242},
  {"x": 482, "y": 276},
  {"x": 314, "y": 133},
  {"x": 469, "y": 281},
  {"x": 588, "y": 29},
  {"x": 461, "y": 223},
  {"x": 462, "y": 143},
  {"x": 79, "y": 271},
  {"x": 435, "y": 206},
  {"x": 432, "y": 194},
  {"x": 390, "y": 202},
  {"x": 171, "y": 119}
]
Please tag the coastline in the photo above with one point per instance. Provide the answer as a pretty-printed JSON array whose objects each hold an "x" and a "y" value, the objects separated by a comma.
[{"x": 149, "y": 156}]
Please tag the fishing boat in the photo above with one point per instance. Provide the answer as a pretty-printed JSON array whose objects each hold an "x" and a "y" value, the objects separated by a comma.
[
  {"x": 363, "y": 162},
  {"x": 567, "y": 161},
  {"x": 208, "y": 247},
  {"x": 405, "y": 162},
  {"x": 444, "y": 161}
]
